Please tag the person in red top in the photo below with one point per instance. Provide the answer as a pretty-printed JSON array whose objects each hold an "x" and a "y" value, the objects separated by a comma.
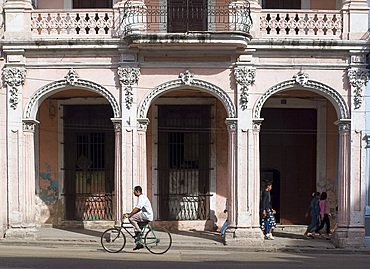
[{"x": 324, "y": 215}]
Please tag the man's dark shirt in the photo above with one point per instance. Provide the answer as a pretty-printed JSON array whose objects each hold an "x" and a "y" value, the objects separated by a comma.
[{"x": 266, "y": 200}]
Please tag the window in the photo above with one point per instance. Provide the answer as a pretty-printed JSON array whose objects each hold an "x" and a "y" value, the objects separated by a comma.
[
  {"x": 281, "y": 4},
  {"x": 92, "y": 3}
]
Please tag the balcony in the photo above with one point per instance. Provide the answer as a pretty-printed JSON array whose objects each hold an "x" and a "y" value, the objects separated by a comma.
[{"x": 145, "y": 20}]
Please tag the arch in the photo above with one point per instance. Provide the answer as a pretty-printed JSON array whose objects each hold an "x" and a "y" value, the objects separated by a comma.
[
  {"x": 71, "y": 81},
  {"x": 331, "y": 94},
  {"x": 188, "y": 83}
]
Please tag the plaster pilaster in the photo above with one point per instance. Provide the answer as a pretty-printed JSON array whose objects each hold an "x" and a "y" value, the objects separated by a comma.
[
  {"x": 129, "y": 77},
  {"x": 17, "y": 20},
  {"x": 355, "y": 18},
  {"x": 14, "y": 78}
]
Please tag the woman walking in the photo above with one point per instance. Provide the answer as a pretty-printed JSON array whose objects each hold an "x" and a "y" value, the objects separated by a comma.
[{"x": 324, "y": 215}]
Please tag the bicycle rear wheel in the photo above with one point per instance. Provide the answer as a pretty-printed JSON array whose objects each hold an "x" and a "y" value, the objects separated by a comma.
[
  {"x": 113, "y": 240},
  {"x": 158, "y": 240}
]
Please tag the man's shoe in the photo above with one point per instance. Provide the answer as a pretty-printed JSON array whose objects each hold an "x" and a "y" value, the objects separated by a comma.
[{"x": 138, "y": 246}]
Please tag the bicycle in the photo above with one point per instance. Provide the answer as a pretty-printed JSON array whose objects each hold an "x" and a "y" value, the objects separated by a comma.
[{"x": 156, "y": 240}]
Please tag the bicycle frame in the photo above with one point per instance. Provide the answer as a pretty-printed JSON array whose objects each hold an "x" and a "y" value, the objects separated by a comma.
[{"x": 145, "y": 229}]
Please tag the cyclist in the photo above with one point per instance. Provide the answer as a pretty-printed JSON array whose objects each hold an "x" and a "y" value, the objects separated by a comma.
[{"x": 142, "y": 212}]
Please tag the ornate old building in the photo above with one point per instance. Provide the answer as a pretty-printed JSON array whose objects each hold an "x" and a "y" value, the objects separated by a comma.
[{"x": 198, "y": 102}]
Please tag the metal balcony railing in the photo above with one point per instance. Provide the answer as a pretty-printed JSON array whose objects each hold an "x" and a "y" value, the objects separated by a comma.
[{"x": 178, "y": 19}]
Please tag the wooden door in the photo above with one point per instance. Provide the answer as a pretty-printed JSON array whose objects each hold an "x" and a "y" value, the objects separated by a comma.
[{"x": 288, "y": 145}]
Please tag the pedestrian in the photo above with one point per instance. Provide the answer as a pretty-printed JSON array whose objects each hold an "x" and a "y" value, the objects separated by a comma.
[
  {"x": 268, "y": 222},
  {"x": 324, "y": 215},
  {"x": 314, "y": 211},
  {"x": 224, "y": 227},
  {"x": 142, "y": 212}
]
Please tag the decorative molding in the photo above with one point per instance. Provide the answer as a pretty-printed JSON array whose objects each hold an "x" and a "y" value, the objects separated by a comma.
[
  {"x": 195, "y": 84},
  {"x": 311, "y": 85},
  {"x": 358, "y": 79},
  {"x": 117, "y": 123},
  {"x": 72, "y": 77},
  {"x": 128, "y": 77},
  {"x": 47, "y": 90},
  {"x": 256, "y": 124},
  {"x": 343, "y": 125},
  {"x": 142, "y": 124},
  {"x": 187, "y": 77},
  {"x": 29, "y": 125},
  {"x": 245, "y": 77},
  {"x": 14, "y": 77},
  {"x": 301, "y": 78},
  {"x": 232, "y": 124}
]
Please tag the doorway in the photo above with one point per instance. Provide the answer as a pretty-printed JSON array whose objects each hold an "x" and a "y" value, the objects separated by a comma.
[
  {"x": 186, "y": 15},
  {"x": 184, "y": 161},
  {"x": 288, "y": 145},
  {"x": 88, "y": 162}
]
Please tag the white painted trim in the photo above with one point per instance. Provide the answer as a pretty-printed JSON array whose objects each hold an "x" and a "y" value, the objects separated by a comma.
[{"x": 154, "y": 121}]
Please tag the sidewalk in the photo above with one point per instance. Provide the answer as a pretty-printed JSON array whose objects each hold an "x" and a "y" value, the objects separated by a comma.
[{"x": 285, "y": 241}]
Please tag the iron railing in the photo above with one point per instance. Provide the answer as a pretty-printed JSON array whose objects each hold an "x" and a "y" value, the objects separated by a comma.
[
  {"x": 186, "y": 206},
  {"x": 171, "y": 19}
]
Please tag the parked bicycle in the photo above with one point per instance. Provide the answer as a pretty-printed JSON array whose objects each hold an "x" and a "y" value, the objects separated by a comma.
[{"x": 156, "y": 240}]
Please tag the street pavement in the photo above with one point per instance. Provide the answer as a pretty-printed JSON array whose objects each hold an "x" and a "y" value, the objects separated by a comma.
[{"x": 286, "y": 240}]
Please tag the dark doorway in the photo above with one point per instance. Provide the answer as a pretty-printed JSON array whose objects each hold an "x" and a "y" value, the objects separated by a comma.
[
  {"x": 92, "y": 3},
  {"x": 186, "y": 15},
  {"x": 184, "y": 161},
  {"x": 281, "y": 4},
  {"x": 88, "y": 162},
  {"x": 288, "y": 145}
]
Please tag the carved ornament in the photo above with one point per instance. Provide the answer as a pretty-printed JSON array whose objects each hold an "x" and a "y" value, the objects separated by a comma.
[
  {"x": 358, "y": 79},
  {"x": 245, "y": 77},
  {"x": 14, "y": 77}
]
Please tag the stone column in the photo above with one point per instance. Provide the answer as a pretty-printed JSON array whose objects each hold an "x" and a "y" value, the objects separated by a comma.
[
  {"x": 256, "y": 173},
  {"x": 142, "y": 125},
  {"x": 29, "y": 175},
  {"x": 344, "y": 208},
  {"x": 232, "y": 160},
  {"x": 118, "y": 191}
]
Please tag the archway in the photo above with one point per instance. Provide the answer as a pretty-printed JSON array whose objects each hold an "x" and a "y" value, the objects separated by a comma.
[
  {"x": 75, "y": 167},
  {"x": 298, "y": 138},
  {"x": 192, "y": 100}
]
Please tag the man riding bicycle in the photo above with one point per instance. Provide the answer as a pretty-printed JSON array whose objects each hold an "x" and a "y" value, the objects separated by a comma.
[{"x": 142, "y": 212}]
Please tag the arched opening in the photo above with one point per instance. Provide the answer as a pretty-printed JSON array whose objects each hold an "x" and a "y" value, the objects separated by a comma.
[
  {"x": 187, "y": 143},
  {"x": 75, "y": 157},
  {"x": 298, "y": 146}
]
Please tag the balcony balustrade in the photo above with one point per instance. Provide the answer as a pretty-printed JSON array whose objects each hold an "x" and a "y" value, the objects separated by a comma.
[{"x": 131, "y": 19}]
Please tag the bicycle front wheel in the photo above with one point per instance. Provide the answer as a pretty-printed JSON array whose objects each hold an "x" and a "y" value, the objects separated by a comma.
[
  {"x": 158, "y": 240},
  {"x": 113, "y": 240}
]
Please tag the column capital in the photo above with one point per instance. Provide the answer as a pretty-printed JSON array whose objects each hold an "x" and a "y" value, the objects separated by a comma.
[
  {"x": 232, "y": 124},
  {"x": 142, "y": 124},
  {"x": 257, "y": 124},
  {"x": 117, "y": 123},
  {"x": 29, "y": 125},
  {"x": 344, "y": 125},
  {"x": 358, "y": 78}
]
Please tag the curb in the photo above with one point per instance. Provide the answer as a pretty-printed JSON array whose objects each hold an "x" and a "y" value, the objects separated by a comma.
[{"x": 214, "y": 247}]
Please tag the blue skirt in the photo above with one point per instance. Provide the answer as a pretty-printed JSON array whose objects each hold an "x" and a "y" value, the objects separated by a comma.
[{"x": 268, "y": 219}]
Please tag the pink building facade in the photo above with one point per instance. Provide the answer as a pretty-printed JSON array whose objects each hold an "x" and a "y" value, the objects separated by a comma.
[{"x": 197, "y": 110}]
